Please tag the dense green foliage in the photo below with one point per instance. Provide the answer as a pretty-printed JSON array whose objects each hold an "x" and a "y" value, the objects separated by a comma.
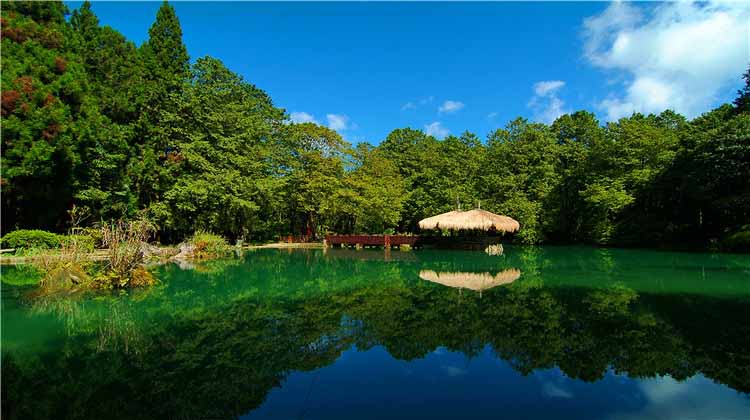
[
  {"x": 31, "y": 239},
  {"x": 90, "y": 119}
]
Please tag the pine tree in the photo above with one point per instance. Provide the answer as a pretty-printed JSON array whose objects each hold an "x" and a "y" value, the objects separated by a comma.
[
  {"x": 742, "y": 103},
  {"x": 166, "y": 68},
  {"x": 166, "y": 58},
  {"x": 85, "y": 22}
]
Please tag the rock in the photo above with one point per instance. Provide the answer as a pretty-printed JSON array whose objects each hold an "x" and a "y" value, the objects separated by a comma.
[
  {"x": 185, "y": 251},
  {"x": 150, "y": 250}
]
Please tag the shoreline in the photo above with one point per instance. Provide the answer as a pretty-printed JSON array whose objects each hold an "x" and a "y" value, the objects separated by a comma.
[{"x": 101, "y": 254}]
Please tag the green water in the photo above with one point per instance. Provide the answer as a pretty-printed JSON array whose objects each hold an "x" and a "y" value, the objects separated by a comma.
[{"x": 581, "y": 333}]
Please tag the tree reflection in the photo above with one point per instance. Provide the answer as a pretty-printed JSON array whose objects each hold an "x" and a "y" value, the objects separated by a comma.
[{"x": 213, "y": 343}]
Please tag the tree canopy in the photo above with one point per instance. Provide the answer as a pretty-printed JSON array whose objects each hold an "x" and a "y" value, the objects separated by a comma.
[{"x": 92, "y": 120}]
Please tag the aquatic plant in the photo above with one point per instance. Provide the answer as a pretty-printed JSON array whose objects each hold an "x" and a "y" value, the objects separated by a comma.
[
  {"x": 71, "y": 269},
  {"x": 124, "y": 264},
  {"x": 66, "y": 269}
]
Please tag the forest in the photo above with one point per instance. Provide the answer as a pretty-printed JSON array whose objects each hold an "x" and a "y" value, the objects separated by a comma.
[{"x": 121, "y": 131}]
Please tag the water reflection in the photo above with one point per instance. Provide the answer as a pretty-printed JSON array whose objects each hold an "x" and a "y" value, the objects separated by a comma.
[
  {"x": 215, "y": 340},
  {"x": 473, "y": 281}
]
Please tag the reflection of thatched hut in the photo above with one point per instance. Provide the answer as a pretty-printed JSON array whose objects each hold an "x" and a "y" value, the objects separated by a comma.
[
  {"x": 472, "y": 281},
  {"x": 476, "y": 219}
]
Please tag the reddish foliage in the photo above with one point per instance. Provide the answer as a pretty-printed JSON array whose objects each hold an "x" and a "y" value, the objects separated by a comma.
[
  {"x": 15, "y": 34},
  {"x": 175, "y": 157},
  {"x": 9, "y": 100},
  {"x": 60, "y": 65},
  {"x": 3, "y": 22},
  {"x": 51, "y": 131},
  {"x": 26, "y": 83},
  {"x": 25, "y": 107},
  {"x": 50, "y": 39},
  {"x": 49, "y": 100}
]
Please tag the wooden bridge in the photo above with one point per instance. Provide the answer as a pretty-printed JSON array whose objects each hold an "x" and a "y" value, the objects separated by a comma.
[{"x": 371, "y": 240}]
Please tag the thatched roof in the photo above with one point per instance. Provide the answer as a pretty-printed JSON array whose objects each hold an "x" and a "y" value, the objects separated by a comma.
[
  {"x": 472, "y": 281},
  {"x": 434, "y": 221},
  {"x": 472, "y": 219}
]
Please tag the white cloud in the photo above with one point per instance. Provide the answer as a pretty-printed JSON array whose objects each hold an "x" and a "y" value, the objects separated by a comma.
[
  {"x": 436, "y": 129},
  {"x": 302, "y": 117},
  {"x": 427, "y": 100},
  {"x": 555, "y": 391},
  {"x": 679, "y": 55},
  {"x": 411, "y": 105},
  {"x": 408, "y": 106},
  {"x": 453, "y": 370},
  {"x": 694, "y": 398},
  {"x": 547, "y": 87},
  {"x": 339, "y": 122},
  {"x": 492, "y": 115},
  {"x": 449, "y": 107},
  {"x": 546, "y": 104}
]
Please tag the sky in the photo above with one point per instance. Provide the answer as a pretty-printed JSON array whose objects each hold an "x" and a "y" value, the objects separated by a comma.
[{"x": 365, "y": 69}]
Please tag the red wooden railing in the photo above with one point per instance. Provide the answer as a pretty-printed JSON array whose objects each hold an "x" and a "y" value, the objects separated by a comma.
[{"x": 381, "y": 240}]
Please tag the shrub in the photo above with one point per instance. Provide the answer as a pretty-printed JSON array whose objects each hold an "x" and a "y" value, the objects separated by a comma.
[
  {"x": 31, "y": 239},
  {"x": 209, "y": 245}
]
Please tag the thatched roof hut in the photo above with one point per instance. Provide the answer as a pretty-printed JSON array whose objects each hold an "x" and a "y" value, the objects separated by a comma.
[
  {"x": 473, "y": 219},
  {"x": 435, "y": 221},
  {"x": 472, "y": 281}
]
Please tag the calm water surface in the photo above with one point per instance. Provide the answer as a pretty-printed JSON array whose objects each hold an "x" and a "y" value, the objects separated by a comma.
[{"x": 536, "y": 333}]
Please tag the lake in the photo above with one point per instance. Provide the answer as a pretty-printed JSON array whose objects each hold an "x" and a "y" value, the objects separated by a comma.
[{"x": 535, "y": 333}]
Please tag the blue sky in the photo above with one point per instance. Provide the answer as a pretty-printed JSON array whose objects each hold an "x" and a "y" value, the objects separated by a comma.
[{"x": 367, "y": 68}]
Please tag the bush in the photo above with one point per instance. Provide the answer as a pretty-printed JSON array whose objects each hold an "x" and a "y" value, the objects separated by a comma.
[
  {"x": 31, "y": 239},
  {"x": 209, "y": 245}
]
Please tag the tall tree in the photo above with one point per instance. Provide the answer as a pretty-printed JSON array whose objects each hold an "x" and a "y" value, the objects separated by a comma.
[
  {"x": 377, "y": 191},
  {"x": 44, "y": 96},
  {"x": 742, "y": 103},
  {"x": 220, "y": 157},
  {"x": 520, "y": 175},
  {"x": 166, "y": 70},
  {"x": 315, "y": 182},
  {"x": 165, "y": 55},
  {"x": 576, "y": 134},
  {"x": 635, "y": 151},
  {"x": 113, "y": 73},
  {"x": 113, "y": 66}
]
